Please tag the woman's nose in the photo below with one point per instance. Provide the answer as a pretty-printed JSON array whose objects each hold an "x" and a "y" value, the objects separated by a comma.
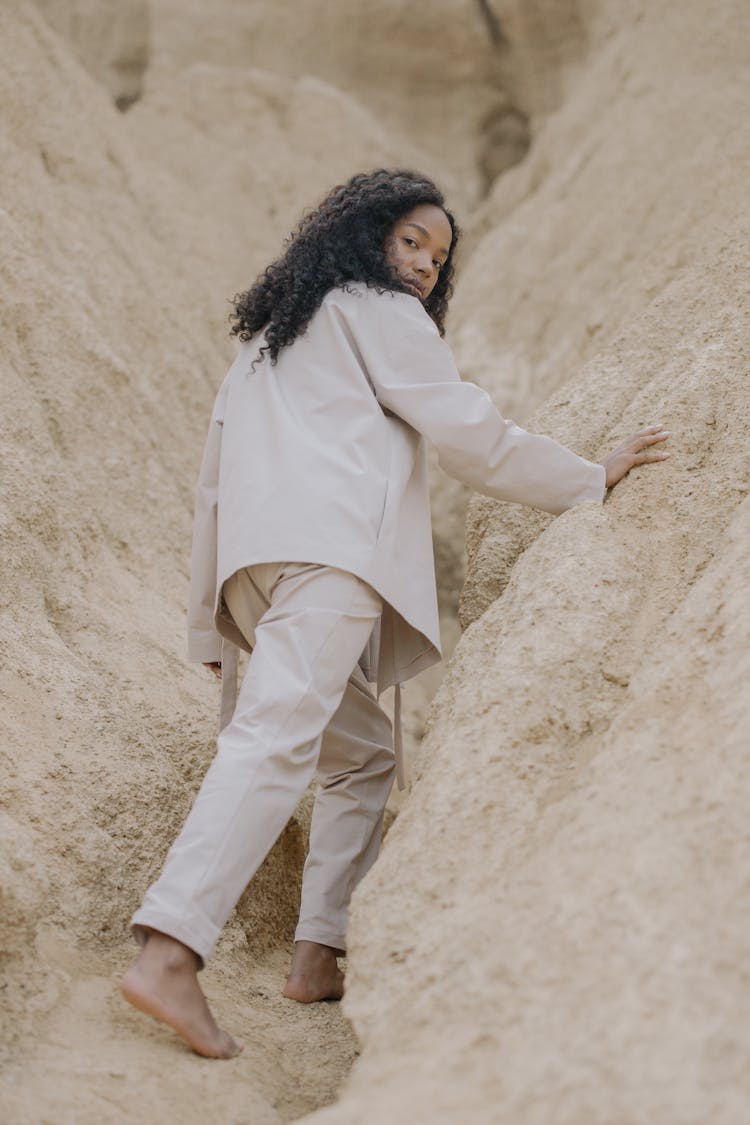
[{"x": 424, "y": 264}]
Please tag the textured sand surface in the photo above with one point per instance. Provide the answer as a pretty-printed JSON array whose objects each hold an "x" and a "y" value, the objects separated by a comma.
[
  {"x": 123, "y": 238},
  {"x": 573, "y": 859},
  {"x": 557, "y": 929}
]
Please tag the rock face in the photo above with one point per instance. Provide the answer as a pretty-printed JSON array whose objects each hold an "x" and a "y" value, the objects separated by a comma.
[
  {"x": 122, "y": 242},
  {"x": 556, "y": 931},
  {"x": 109, "y": 37},
  {"x": 437, "y": 77}
]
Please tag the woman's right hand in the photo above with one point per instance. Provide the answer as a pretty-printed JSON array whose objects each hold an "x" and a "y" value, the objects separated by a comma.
[
  {"x": 634, "y": 451},
  {"x": 215, "y": 667}
]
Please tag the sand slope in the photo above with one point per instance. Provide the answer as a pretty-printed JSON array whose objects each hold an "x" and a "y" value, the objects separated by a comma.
[
  {"x": 120, "y": 254},
  {"x": 572, "y": 861}
]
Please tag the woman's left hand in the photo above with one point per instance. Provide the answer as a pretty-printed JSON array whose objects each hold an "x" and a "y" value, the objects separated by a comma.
[
  {"x": 215, "y": 667},
  {"x": 634, "y": 451}
]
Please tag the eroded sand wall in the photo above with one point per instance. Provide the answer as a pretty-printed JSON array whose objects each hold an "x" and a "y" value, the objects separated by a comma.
[
  {"x": 556, "y": 931},
  {"x": 110, "y": 38},
  {"x": 459, "y": 80},
  {"x": 124, "y": 235}
]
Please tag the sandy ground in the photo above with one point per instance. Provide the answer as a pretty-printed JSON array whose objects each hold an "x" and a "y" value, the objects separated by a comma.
[{"x": 93, "y": 1059}]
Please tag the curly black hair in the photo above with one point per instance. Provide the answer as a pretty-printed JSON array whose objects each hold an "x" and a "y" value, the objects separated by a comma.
[{"x": 342, "y": 240}]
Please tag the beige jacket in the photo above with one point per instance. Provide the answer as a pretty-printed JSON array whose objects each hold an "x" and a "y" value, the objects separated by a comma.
[{"x": 322, "y": 459}]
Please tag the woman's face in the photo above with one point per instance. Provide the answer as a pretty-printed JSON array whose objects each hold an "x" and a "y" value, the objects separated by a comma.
[{"x": 418, "y": 246}]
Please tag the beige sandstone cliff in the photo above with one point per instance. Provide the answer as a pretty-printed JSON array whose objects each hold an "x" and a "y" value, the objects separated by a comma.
[
  {"x": 573, "y": 858},
  {"x": 556, "y": 931}
]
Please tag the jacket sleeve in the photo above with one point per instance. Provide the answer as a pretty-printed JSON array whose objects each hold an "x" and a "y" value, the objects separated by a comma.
[
  {"x": 204, "y": 643},
  {"x": 414, "y": 375}
]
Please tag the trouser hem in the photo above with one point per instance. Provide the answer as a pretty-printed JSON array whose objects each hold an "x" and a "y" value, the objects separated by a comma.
[
  {"x": 321, "y": 937},
  {"x": 194, "y": 937}
]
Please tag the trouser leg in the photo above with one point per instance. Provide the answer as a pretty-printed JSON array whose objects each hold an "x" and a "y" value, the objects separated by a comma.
[
  {"x": 356, "y": 770},
  {"x": 305, "y": 646}
]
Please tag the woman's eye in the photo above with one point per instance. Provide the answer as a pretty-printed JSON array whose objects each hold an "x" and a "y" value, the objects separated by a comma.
[
  {"x": 438, "y": 265},
  {"x": 409, "y": 241}
]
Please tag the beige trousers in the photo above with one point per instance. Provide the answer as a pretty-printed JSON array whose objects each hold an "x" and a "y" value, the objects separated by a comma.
[{"x": 304, "y": 705}]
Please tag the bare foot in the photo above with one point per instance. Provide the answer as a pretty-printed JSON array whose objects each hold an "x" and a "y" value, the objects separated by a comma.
[
  {"x": 314, "y": 974},
  {"x": 163, "y": 982}
]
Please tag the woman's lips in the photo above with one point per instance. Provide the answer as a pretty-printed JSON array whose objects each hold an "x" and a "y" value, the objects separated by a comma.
[{"x": 413, "y": 285}]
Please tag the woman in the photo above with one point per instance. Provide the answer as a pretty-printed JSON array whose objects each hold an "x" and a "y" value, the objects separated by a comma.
[{"x": 312, "y": 549}]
